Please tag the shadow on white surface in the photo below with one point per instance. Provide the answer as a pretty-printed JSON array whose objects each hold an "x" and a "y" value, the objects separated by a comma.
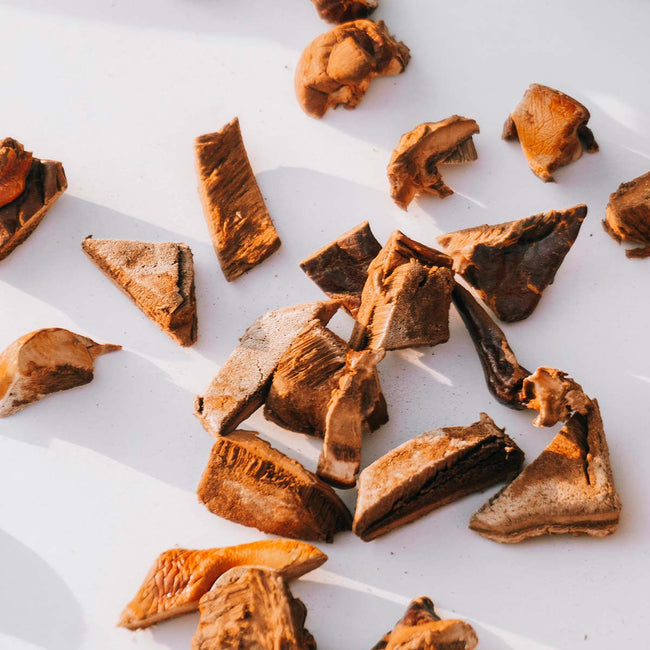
[{"x": 177, "y": 633}]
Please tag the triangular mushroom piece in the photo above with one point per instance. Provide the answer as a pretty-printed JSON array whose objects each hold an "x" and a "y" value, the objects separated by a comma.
[
  {"x": 569, "y": 488},
  {"x": 158, "y": 277},
  {"x": 510, "y": 264}
]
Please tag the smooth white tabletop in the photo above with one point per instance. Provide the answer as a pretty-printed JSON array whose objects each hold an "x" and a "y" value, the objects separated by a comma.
[{"x": 96, "y": 481}]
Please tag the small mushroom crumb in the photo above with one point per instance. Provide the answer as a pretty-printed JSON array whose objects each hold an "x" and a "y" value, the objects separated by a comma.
[
  {"x": 342, "y": 11},
  {"x": 338, "y": 66}
]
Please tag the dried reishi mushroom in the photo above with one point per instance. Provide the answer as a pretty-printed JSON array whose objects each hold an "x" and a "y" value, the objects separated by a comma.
[
  {"x": 551, "y": 128},
  {"x": 413, "y": 167},
  {"x": 342, "y": 11},
  {"x": 510, "y": 264},
  {"x": 15, "y": 164},
  {"x": 406, "y": 298},
  {"x": 338, "y": 66},
  {"x": 627, "y": 217},
  {"x": 180, "y": 577},
  {"x": 44, "y": 362}
]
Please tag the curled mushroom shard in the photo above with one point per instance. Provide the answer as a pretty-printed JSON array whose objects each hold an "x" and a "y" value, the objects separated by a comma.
[
  {"x": 180, "y": 577},
  {"x": 338, "y": 66},
  {"x": 342, "y": 11},
  {"x": 627, "y": 217},
  {"x": 44, "y": 362},
  {"x": 421, "y": 628},
  {"x": 15, "y": 164},
  {"x": 413, "y": 167},
  {"x": 252, "y": 607},
  {"x": 551, "y": 128}
]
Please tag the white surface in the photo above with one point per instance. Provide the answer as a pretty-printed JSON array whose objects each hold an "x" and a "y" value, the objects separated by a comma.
[{"x": 96, "y": 481}]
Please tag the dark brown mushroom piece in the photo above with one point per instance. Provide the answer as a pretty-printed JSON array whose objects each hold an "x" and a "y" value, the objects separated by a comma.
[
  {"x": 510, "y": 264},
  {"x": 627, "y": 217},
  {"x": 413, "y": 167},
  {"x": 337, "y": 67},
  {"x": 251, "y": 483},
  {"x": 240, "y": 226},
  {"x": 251, "y": 607},
  {"x": 342, "y": 11},
  {"x": 340, "y": 268},
  {"x": 551, "y": 128},
  {"x": 406, "y": 298}
]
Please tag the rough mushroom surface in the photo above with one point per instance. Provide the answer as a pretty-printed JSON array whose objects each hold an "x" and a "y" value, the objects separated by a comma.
[{"x": 342, "y": 11}]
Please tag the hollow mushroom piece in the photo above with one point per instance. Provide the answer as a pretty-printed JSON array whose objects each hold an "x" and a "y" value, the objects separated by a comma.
[
  {"x": 413, "y": 167},
  {"x": 338, "y": 66},
  {"x": 342, "y": 11},
  {"x": 551, "y": 128}
]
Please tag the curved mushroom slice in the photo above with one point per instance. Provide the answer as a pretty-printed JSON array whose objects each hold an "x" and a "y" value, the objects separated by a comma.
[
  {"x": 422, "y": 629},
  {"x": 180, "y": 577},
  {"x": 252, "y": 607},
  {"x": 342, "y": 11},
  {"x": 340, "y": 269},
  {"x": 338, "y": 66},
  {"x": 569, "y": 488},
  {"x": 429, "y": 471},
  {"x": 413, "y": 167},
  {"x": 627, "y": 217},
  {"x": 44, "y": 362},
  {"x": 552, "y": 129},
  {"x": 15, "y": 164},
  {"x": 242, "y": 384},
  {"x": 406, "y": 298},
  {"x": 510, "y": 264},
  {"x": 251, "y": 483}
]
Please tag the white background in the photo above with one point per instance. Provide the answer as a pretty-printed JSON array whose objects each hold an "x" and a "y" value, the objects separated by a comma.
[{"x": 96, "y": 481}]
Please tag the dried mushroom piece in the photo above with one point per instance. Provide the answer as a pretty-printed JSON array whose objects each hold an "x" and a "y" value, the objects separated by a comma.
[
  {"x": 627, "y": 217},
  {"x": 551, "y": 128},
  {"x": 342, "y": 11},
  {"x": 510, "y": 264},
  {"x": 413, "y": 167},
  {"x": 240, "y": 226},
  {"x": 338, "y": 66},
  {"x": 422, "y": 629},
  {"x": 503, "y": 374},
  {"x": 569, "y": 488},
  {"x": 429, "y": 471},
  {"x": 180, "y": 577},
  {"x": 242, "y": 384},
  {"x": 43, "y": 362},
  {"x": 340, "y": 269},
  {"x": 159, "y": 278},
  {"x": 29, "y": 187},
  {"x": 406, "y": 298},
  {"x": 252, "y": 607},
  {"x": 349, "y": 411},
  {"x": 251, "y": 483},
  {"x": 554, "y": 395}
]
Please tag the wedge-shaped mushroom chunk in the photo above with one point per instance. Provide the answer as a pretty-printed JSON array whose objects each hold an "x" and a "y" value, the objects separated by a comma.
[
  {"x": 29, "y": 187},
  {"x": 422, "y": 629},
  {"x": 429, "y": 471},
  {"x": 503, "y": 374},
  {"x": 159, "y": 278},
  {"x": 242, "y": 384},
  {"x": 240, "y": 226},
  {"x": 44, "y": 362},
  {"x": 413, "y": 167},
  {"x": 251, "y": 483},
  {"x": 252, "y": 607},
  {"x": 510, "y": 264},
  {"x": 338, "y": 66},
  {"x": 340, "y": 269},
  {"x": 551, "y": 128},
  {"x": 180, "y": 577},
  {"x": 406, "y": 298},
  {"x": 342, "y": 11},
  {"x": 627, "y": 217},
  {"x": 569, "y": 488}
]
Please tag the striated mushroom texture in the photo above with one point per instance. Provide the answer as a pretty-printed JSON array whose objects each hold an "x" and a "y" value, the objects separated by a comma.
[
  {"x": 406, "y": 298},
  {"x": 510, "y": 264},
  {"x": 44, "y": 362},
  {"x": 338, "y": 66},
  {"x": 422, "y": 629},
  {"x": 551, "y": 128},
  {"x": 413, "y": 167},
  {"x": 342, "y": 11},
  {"x": 627, "y": 217},
  {"x": 251, "y": 483}
]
